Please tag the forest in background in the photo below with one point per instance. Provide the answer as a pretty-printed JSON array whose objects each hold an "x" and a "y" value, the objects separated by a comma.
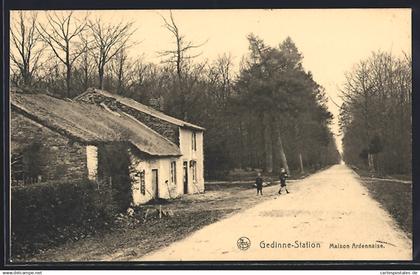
[
  {"x": 270, "y": 114},
  {"x": 375, "y": 116}
]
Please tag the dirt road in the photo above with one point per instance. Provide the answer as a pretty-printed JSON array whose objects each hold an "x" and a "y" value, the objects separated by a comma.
[{"x": 327, "y": 216}]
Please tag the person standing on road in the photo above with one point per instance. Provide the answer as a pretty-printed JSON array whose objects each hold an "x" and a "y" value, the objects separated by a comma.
[
  {"x": 283, "y": 177},
  {"x": 259, "y": 184}
]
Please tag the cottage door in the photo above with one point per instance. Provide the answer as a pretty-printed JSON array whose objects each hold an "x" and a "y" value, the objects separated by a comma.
[
  {"x": 155, "y": 182},
  {"x": 185, "y": 177}
]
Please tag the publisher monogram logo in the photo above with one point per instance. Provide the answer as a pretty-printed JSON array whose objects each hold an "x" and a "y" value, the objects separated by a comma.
[{"x": 243, "y": 243}]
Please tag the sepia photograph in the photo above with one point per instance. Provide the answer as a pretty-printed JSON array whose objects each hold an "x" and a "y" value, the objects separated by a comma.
[{"x": 189, "y": 135}]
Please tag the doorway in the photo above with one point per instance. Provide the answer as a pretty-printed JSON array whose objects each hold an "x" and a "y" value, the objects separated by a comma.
[
  {"x": 155, "y": 182},
  {"x": 185, "y": 176}
]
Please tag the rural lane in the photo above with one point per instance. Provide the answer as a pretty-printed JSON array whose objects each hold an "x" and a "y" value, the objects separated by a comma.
[{"x": 327, "y": 216}]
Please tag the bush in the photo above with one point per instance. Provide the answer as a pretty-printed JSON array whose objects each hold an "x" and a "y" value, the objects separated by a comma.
[{"x": 53, "y": 212}]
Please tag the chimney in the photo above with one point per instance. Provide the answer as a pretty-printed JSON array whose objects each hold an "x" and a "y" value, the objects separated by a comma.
[{"x": 157, "y": 103}]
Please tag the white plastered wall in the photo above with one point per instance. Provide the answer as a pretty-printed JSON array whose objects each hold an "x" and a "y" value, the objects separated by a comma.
[
  {"x": 92, "y": 162},
  {"x": 166, "y": 189},
  {"x": 188, "y": 154}
]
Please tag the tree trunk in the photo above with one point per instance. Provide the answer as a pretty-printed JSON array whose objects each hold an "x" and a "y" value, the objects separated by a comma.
[
  {"x": 277, "y": 159},
  {"x": 86, "y": 72},
  {"x": 101, "y": 78},
  {"x": 371, "y": 162},
  {"x": 242, "y": 148},
  {"x": 68, "y": 80},
  {"x": 301, "y": 164},
  {"x": 68, "y": 67},
  {"x": 120, "y": 76},
  {"x": 26, "y": 75},
  {"x": 278, "y": 145},
  {"x": 268, "y": 148},
  {"x": 252, "y": 158}
]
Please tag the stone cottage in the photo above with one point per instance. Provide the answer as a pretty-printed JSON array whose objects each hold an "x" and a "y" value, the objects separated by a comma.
[
  {"x": 62, "y": 139},
  {"x": 186, "y": 173}
]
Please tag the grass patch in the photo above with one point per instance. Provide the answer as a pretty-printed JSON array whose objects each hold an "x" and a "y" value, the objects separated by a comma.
[
  {"x": 365, "y": 173},
  {"x": 395, "y": 197}
]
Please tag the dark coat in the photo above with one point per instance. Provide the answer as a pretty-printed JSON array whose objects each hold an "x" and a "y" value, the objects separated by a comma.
[
  {"x": 259, "y": 182},
  {"x": 283, "y": 177}
]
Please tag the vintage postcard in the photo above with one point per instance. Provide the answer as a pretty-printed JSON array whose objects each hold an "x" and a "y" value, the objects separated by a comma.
[{"x": 210, "y": 135}]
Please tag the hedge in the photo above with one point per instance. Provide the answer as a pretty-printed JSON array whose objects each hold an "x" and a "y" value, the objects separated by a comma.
[{"x": 54, "y": 212}]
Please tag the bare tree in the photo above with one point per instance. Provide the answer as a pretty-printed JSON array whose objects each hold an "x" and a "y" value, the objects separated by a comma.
[
  {"x": 86, "y": 64},
  {"x": 108, "y": 40},
  {"x": 180, "y": 57},
  {"x": 181, "y": 54},
  {"x": 142, "y": 71},
  {"x": 121, "y": 70},
  {"x": 220, "y": 75},
  {"x": 26, "y": 50},
  {"x": 375, "y": 116},
  {"x": 61, "y": 34},
  {"x": 51, "y": 74}
]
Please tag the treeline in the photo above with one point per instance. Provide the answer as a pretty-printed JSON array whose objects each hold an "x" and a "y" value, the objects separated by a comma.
[
  {"x": 281, "y": 111},
  {"x": 270, "y": 114},
  {"x": 376, "y": 114}
]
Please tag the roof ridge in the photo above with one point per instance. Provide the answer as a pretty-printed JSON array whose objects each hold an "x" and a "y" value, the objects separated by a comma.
[
  {"x": 149, "y": 110},
  {"x": 88, "y": 90}
]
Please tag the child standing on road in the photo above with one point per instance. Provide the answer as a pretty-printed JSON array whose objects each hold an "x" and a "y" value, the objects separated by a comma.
[
  {"x": 259, "y": 183},
  {"x": 283, "y": 177}
]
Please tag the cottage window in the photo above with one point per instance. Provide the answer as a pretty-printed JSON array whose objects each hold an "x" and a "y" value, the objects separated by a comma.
[
  {"x": 142, "y": 183},
  {"x": 173, "y": 172},
  {"x": 194, "y": 171},
  {"x": 194, "y": 141}
]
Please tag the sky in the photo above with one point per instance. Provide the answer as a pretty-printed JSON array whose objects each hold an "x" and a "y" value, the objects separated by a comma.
[{"x": 332, "y": 41}]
